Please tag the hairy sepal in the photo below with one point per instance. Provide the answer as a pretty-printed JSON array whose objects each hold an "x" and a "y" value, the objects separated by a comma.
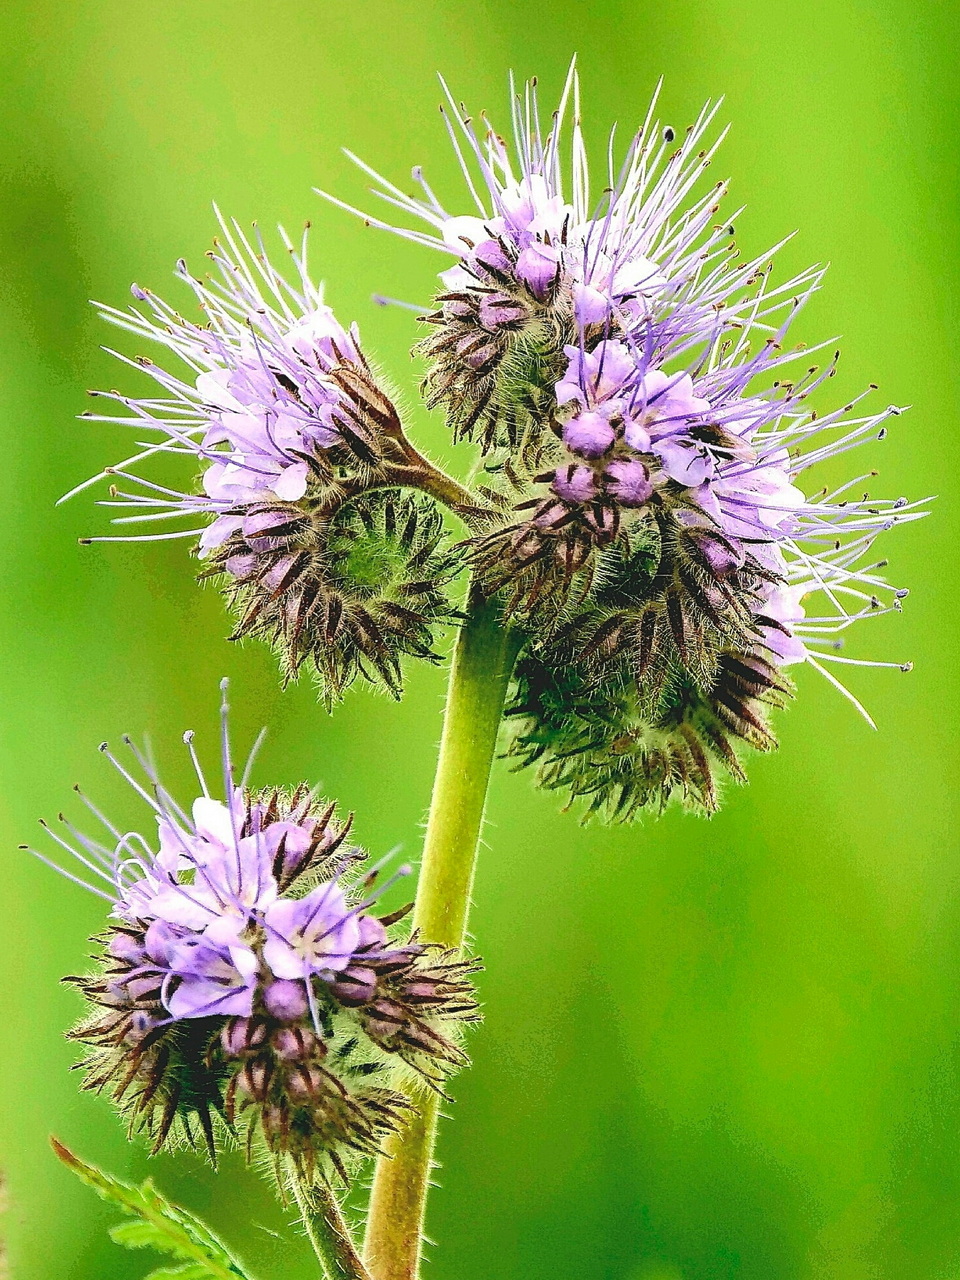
[
  {"x": 350, "y": 587},
  {"x": 603, "y": 743}
]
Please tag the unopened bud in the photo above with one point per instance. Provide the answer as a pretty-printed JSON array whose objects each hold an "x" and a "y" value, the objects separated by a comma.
[
  {"x": 305, "y": 1083},
  {"x": 241, "y": 1036},
  {"x": 285, "y": 1000},
  {"x": 254, "y": 1079},
  {"x": 122, "y": 946},
  {"x": 294, "y": 1043},
  {"x": 354, "y": 986}
]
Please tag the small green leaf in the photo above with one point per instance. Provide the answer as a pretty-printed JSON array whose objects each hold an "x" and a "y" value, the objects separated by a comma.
[
  {"x": 192, "y": 1271},
  {"x": 158, "y": 1224},
  {"x": 141, "y": 1235}
]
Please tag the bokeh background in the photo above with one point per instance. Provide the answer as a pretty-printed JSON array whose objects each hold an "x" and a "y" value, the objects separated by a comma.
[{"x": 712, "y": 1049}]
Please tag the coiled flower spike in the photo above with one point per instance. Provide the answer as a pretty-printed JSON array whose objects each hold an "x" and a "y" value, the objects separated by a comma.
[
  {"x": 646, "y": 427},
  {"x": 245, "y": 976},
  {"x": 298, "y": 448}
]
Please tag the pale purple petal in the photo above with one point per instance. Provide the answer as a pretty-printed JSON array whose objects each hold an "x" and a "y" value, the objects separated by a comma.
[{"x": 314, "y": 934}]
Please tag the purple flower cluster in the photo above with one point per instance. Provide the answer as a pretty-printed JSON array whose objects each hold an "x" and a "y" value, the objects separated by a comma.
[
  {"x": 538, "y": 240},
  {"x": 217, "y": 929},
  {"x": 214, "y": 913},
  {"x": 244, "y": 977},
  {"x": 301, "y": 454},
  {"x": 675, "y": 389},
  {"x": 258, "y": 404},
  {"x": 614, "y": 269}
]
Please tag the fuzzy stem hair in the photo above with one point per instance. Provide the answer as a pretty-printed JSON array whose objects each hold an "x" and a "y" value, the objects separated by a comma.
[
  {"x": 327, "y": 1231},
  {"x": 483, "y": 661}
]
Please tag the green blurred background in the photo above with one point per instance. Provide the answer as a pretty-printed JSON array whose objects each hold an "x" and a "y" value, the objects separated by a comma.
[{"x": 724, "y": 1049}]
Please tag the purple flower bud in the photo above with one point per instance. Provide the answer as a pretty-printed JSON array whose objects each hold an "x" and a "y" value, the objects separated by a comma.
[
  {"x": 637, "y": 436},
  {"x": 254, "y": 1079},
  {"x": 473, "y": 355},
  {"x": 589, "y": 434},
  {"x": 241, "y": 1036},
  {"x": 420, "y": 992},
  {"x": 270, "y": 528},
  {"x": 372, "y": 932},
  {"x": 242, "y": 567},
  {"x": 456, "y": 307},
  {"x": 233, "y": 1037},
  {"x": 489, "y": 255},
  {"x": 497, "y": 309},
  {"x": 160, "y": 938},
  {"x": 285, "y": 1000},
  {"x": 279, "y": 572},
  {"x": 629, "y": 482},
  {"x": 721, "y": 556},
  {"x": 355, "y": 986},
  {"x": 296, "y": 1043},
  {"x": 124, "y": 947},
  {"x": 537, "y": 267},
  {"x": 575, "y": 484},
  {"x": 143, "y": 987},
  {"x": 116, "y": 996},
  {"x": 305, "y": 1083}
]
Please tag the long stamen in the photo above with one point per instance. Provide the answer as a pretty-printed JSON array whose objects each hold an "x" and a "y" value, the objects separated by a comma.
[{"x": 188, "y": 740}]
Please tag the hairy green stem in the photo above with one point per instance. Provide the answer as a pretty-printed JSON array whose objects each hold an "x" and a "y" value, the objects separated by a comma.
[
  {"x": 327, "y": 1230},
  {"x": 430, "y": 479},
  {"x": 482, "y": 663}
]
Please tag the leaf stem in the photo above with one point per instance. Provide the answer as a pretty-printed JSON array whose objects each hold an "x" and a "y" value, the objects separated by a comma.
[
  {"x": 327, "y": 1230},
  {"x": 483, "y": 661}
]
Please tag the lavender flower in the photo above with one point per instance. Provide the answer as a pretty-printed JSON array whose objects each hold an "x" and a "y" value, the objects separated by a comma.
[
  {"x": 311, "y": 935},
  {"x": 301, "y": 456},
  {"x": 260, "y": 399},
  {"x": 538, "y": 259},
  {"x": 242, "y": 954},
  {"x": 646, "y": 427}
]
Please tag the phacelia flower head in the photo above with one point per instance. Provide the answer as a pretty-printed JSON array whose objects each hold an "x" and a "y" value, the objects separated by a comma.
[
  {"x": 244, "y": 972},
  {"x": 297, "y": 446},
  {"x": 611, "y": 746},
  {"x": 648, "y": 426},
  {"x": 538, "y": 261},
  {"x": 265, "y": 392}
]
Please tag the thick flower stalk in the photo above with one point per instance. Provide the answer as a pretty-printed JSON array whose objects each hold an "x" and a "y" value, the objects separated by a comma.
[
  {"x": 246, "y": 983},
  {"x": 301, "y": 458}
]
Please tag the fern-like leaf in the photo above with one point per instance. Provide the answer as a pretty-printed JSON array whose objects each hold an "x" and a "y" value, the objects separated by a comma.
[{"x": 156, "y": 1223}]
